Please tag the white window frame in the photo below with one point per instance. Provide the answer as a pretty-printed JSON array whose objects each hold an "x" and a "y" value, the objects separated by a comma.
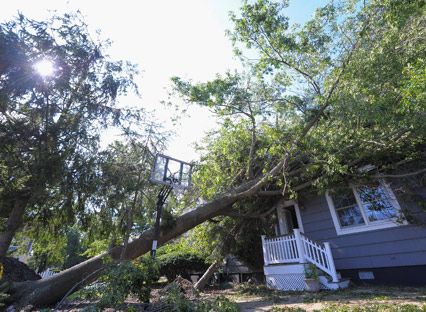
[{"x": 368, "y": 225}]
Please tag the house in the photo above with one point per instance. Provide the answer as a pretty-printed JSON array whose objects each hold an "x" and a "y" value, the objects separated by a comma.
[{"x": 356, "y": 232}]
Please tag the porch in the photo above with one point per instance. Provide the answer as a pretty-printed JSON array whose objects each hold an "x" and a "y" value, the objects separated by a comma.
[{"x": 286, "y": 257}]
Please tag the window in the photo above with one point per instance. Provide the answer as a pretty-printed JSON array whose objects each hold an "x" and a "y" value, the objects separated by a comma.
[
  {"x": 347, "y": 209},
  {"x": 363, "y": 208},
  {"x": 376, "y": 201}
]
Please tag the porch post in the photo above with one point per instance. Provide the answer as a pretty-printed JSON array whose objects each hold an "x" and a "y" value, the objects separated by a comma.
[
  {"x": 265, "y": 251},
  {"x": 299, "y": 244},
  {"x": 331, "y": 262}
]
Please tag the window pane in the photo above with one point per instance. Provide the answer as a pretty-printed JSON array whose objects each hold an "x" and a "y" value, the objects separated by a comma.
[
  {"x": 376, "y": 202},
  {"x": 347, "y": 209},
  {"x": 350, "y": 216},
  {"x": 343, "y": 198}
]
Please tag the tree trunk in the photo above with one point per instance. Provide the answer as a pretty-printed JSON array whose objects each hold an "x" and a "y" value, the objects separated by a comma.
[
  {"x": 252, "y": 152},
  {"x": 14, "y": 221},
  {"x": 207, "y": 275},
  {"x": 48, "y": 291}
]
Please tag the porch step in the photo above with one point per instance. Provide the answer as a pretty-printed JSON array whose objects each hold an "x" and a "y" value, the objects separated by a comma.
[{"x": 326, "y": 284}]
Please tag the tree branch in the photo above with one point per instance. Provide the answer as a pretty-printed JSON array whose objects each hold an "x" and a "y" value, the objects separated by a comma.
[
  {"x": 281, "y": 59},
  {"x": 402, "y": 175},
  {"x": 275, "y": 170}
]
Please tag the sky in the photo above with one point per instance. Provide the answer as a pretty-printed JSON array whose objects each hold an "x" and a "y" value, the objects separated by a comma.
[{"x": 166, "y": 38}]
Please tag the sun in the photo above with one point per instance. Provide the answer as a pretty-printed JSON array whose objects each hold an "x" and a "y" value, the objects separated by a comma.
[{"x": 45, "y": 68}]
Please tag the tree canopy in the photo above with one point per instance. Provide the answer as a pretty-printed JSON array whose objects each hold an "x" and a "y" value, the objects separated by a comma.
[
  {"x": 342, "y": 77},
  {"x": 50, "y": 166},
  {"x": 334, "y": 97}
]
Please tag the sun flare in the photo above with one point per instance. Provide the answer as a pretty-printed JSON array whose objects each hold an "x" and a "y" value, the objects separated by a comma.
[{"x": 45, "y": 68}]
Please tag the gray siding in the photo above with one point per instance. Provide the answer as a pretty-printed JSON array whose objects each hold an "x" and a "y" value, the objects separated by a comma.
[{"x": 404, "y": 245}]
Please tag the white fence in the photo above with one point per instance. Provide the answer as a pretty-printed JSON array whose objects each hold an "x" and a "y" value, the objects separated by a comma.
[
  {"x": 297, "y": 248},
  {"x": 47, "y": 273}
]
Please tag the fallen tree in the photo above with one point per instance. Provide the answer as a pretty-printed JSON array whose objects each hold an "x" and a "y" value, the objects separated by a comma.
[
  {"x": 48, "y": 291},
  {"x": 51, "y": 290},
  {"x": 202, "y": 282}
]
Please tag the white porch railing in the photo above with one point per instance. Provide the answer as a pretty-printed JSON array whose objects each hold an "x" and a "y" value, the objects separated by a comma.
[
  {"x": 282, "y": 249},
  {"x": 297, "y": 248}
]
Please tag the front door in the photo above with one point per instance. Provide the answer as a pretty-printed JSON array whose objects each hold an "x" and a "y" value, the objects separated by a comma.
[{"x": 287, "y": 220}]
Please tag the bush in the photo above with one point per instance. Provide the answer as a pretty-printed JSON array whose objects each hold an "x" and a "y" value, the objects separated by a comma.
[
  {"x": 120, "y": 281},
  {"x": 181, "y": 263},
  {"x": 176, "y": 301}
]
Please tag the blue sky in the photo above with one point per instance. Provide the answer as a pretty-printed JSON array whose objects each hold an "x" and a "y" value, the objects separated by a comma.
[{"x": 166, "y": 38}]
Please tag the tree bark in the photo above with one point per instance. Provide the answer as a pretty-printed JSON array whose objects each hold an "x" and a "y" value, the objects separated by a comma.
[
  {"x": 129, "y": 220},
  {"x": 207, "y": 275},
  {"x": 13, "y": 223},
  {"x": 252, "y": 151}
]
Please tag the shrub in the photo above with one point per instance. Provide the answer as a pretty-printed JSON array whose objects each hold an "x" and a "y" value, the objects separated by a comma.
[
  {"x": 119, "y": 281},
  {"x": 311, "y": 271},
  {"x": 181, "y": 263},
  {"x": 176, "y": 301}
]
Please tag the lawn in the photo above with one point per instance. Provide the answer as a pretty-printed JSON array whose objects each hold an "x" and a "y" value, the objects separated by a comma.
[
  {"x": 354, "y": 299},
  {"x": 251, "y": 298}
]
